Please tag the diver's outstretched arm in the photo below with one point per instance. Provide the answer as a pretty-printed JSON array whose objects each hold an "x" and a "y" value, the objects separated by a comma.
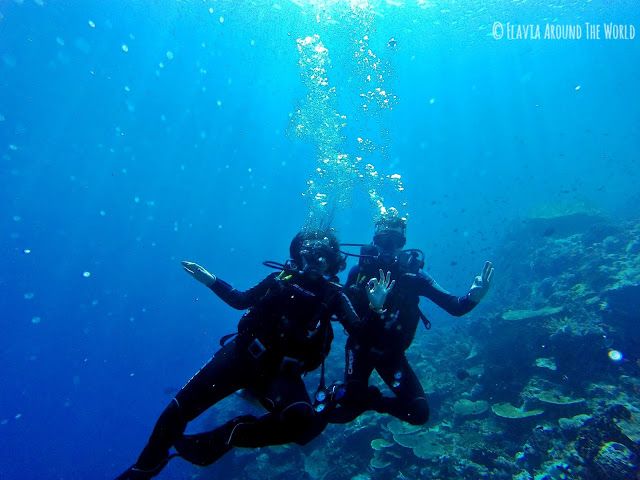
[
  {"x": 232, "y": 297},
  {"x": 457, "y": 306}
]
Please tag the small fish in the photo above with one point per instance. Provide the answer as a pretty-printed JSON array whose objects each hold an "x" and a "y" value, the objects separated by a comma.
[{"x": 462, "y": 374}]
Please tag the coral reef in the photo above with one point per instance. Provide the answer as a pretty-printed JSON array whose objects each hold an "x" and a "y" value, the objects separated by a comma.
[
  {"x": 464, "y": 407},
  {"x": 615, "y": 461},
  {"x": 506, "y": 410},
  {"x": 515, "y": 315}
]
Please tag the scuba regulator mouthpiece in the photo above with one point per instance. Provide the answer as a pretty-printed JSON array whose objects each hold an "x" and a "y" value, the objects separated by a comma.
[
  {"x": 317, "y": 251},
  {"x": 390, "y": 240},
  {"x": 314, "y": 255}
]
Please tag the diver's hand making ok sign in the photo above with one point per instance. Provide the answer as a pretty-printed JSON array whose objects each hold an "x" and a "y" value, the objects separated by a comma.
[
  {"x": 481, "y": 283},
  {"x": 377, "y": 291},
  {"x": 199, "y": 273}
]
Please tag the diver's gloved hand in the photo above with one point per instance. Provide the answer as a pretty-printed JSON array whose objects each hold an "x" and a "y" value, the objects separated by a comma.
[
  {"x": 481, "y": 283},
  {"x": 377, "y": 291},
  {"x": 199, "y": 273}
]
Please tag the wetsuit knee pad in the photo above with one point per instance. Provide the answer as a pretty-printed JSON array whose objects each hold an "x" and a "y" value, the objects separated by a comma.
[
  {"x": 358, "y": 394},
  {"x": 172, "y": 410},
  {"x": 172, "y": 417},
  {"x": 298, "y": 416},
  {"x": 418, "y": 413},
  {"x": 301, "y": 422}
]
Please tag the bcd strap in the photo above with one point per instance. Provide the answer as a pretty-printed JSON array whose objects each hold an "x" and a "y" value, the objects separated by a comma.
[{"x": 324, "y": 307}]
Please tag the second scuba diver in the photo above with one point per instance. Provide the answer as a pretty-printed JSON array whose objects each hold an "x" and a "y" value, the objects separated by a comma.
[
  {"x": 382, "y": 343},
  {"x": 285, "y": 333}
]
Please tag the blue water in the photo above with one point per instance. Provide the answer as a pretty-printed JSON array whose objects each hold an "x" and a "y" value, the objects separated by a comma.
[{"x": 115, "y": 167}]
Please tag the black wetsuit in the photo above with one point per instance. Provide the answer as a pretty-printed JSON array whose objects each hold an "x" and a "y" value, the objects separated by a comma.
[
  {"x": 285, "y": 333},
  {"x": 381, "y": 345}
]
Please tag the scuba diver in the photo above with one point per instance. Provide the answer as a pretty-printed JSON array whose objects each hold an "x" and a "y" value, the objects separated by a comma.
[
  {"x": 382, "y": 343},
  {"x": 285, "y": 333}
]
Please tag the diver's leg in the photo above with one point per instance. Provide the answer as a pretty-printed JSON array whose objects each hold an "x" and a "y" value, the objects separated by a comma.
[
  {"x": 291, "y": 419},
  {"x": 221, "y": 376},
  {"x": 291, "y": 416},
  {"x": 206, "y": 448},
  {"x": 357, "y": 396},
  {"x": 410, "y": 402}
]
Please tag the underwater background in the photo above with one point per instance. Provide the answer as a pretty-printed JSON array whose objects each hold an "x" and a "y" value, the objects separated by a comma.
[{"x": 137, "y": 134}]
